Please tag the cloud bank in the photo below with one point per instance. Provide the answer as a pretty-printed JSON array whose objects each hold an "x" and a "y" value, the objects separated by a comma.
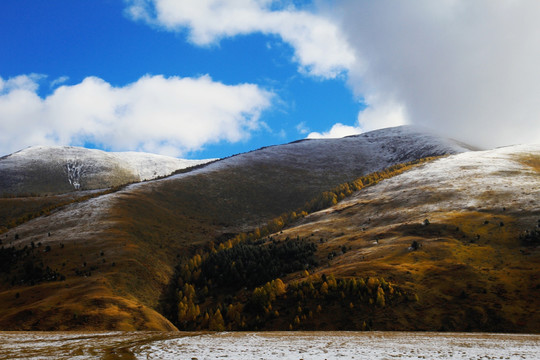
[
  {"x": 338, "y": 130},
  {"x": 319, "y": 46},
  {"x": 466, "y": 68},
  {"x": 170, "y": 116}
]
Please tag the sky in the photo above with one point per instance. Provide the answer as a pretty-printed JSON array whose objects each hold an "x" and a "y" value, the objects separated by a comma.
[{"x": 212, "y": 78}]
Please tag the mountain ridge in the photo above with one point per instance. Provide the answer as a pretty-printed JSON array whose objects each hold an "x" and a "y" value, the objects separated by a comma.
[{"x": 61, "y": 169}]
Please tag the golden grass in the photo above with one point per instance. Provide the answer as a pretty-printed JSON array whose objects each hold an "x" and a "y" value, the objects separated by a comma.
[
  {"x": 15, "y": 211},
  {"x": 531, "y": 160},
  {"x": 464, "y": 283},
  {"x": 75, "y": 305}
]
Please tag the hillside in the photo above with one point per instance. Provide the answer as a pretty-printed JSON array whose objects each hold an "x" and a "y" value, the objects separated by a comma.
[
  {"x": 41, "y": 170},
  {"x": 459, "y": 235},
  {"x": 115, "y": 253}
]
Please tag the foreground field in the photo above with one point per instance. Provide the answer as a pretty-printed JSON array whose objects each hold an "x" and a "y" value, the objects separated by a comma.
[{"x": 267, "y": 345}]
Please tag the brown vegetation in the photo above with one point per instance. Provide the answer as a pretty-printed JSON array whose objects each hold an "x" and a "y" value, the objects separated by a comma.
[{"x": 468, "y": 271}]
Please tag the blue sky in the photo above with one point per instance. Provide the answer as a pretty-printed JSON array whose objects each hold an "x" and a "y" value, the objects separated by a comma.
[
  {"x": 69, "y": 40},
  {"x": 211, "y": 78}
]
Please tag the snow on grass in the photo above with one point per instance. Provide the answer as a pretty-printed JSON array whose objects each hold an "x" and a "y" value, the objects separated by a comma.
[
  {"x": 372, "y": 151},
  {"x": 356, "y": 154},
  {"x": 80, "y": 166},
  {"x": 150, "y": 166},
  {"x": 76, "y": 222},
  {"x": 344, "y": 345},
  {"x": 493, "y": 179},
  {"x": 269, "y": 345}
]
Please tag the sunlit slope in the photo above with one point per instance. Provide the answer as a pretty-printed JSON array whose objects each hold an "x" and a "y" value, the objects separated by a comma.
[
  {"x": 471, "y": 271},
  {"x": 124, "y": 246},
  {"x": 41, "y": 170}
]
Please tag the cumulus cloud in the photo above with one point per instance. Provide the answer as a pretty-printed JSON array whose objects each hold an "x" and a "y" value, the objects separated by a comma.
[
  {"x": 319, "y": 46},
  {"x": 337, "y": 131},
  {"x": 381, "y": 113},
  {"x": 468, "y": 69},
  {"x": 21, "y": 82},
  {"x": 170, "y": 116}
]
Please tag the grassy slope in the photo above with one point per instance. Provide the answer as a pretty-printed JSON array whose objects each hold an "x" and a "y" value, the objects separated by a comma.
[
  {"x": 173, "y": 219},
  {"x": 153, "y": 227},
  {"x": 90, "y": 257},
  {"x": 51, "y": 178},
  {"x": 16, "y": 210},
  {"x": 13, "y": 209},
  {"x": 471, "y": 273}
]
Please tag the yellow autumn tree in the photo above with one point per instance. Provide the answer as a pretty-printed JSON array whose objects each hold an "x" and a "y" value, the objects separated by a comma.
[
  {"x": 380, "y": 297},
  {"x": 216, "y": 322},
  {"x": 279, "y": 287},
  {"x": 324, "y": 289}
]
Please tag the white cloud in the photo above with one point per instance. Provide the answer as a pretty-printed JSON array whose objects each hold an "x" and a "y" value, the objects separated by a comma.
[
  {"x": 337, "y": 131},
  {"x": 380, "y": 114},
  {"x": 318, "y": 43},
  {"x": 22, "y": 82},
  {"x": 302, "y": 128},
  {"x": 467, "y": 68},
  {"x": 59, "y": 81},
  {"x": 155, "y": 114}
]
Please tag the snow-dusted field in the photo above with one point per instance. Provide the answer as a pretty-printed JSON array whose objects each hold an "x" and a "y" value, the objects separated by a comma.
[
  {"x": 493, "y": 179},
  {"x": 268, "y": 345}
]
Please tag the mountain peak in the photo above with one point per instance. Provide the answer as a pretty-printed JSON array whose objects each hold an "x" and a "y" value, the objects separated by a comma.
[{"x": 59, "y": 169}]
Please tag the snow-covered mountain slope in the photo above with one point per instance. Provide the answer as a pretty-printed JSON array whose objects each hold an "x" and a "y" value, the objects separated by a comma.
[
  {"x": 59, "y": 169},
  {"x": 504, "y": 180},
  {"x": 366, "y": 152}
]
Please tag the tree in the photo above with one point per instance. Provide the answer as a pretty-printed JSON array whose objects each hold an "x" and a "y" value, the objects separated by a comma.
[
  {"x": 279, "y": 287},
  {"x": 324, "y": 288},
  {"x": 373, "y": 283},
  {"x": 380, "y": 297},
  {"x": 216, "y": 322}
]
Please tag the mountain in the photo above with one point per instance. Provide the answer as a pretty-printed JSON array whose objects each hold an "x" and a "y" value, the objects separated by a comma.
[
  {"x": 61, "y": 169},
  {"x": 115, "y": 260},
  {"x": 461, "y": 233}
]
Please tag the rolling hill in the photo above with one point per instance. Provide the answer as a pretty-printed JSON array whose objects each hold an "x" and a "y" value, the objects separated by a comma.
[
  {"x": 457, "y": 232},
  {"x": 41, "y": 170},
  {"x": 113, "y": 260}
]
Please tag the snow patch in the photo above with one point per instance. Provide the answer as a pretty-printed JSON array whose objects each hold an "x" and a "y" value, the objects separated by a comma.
[{"x": 74, "y": 174}]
